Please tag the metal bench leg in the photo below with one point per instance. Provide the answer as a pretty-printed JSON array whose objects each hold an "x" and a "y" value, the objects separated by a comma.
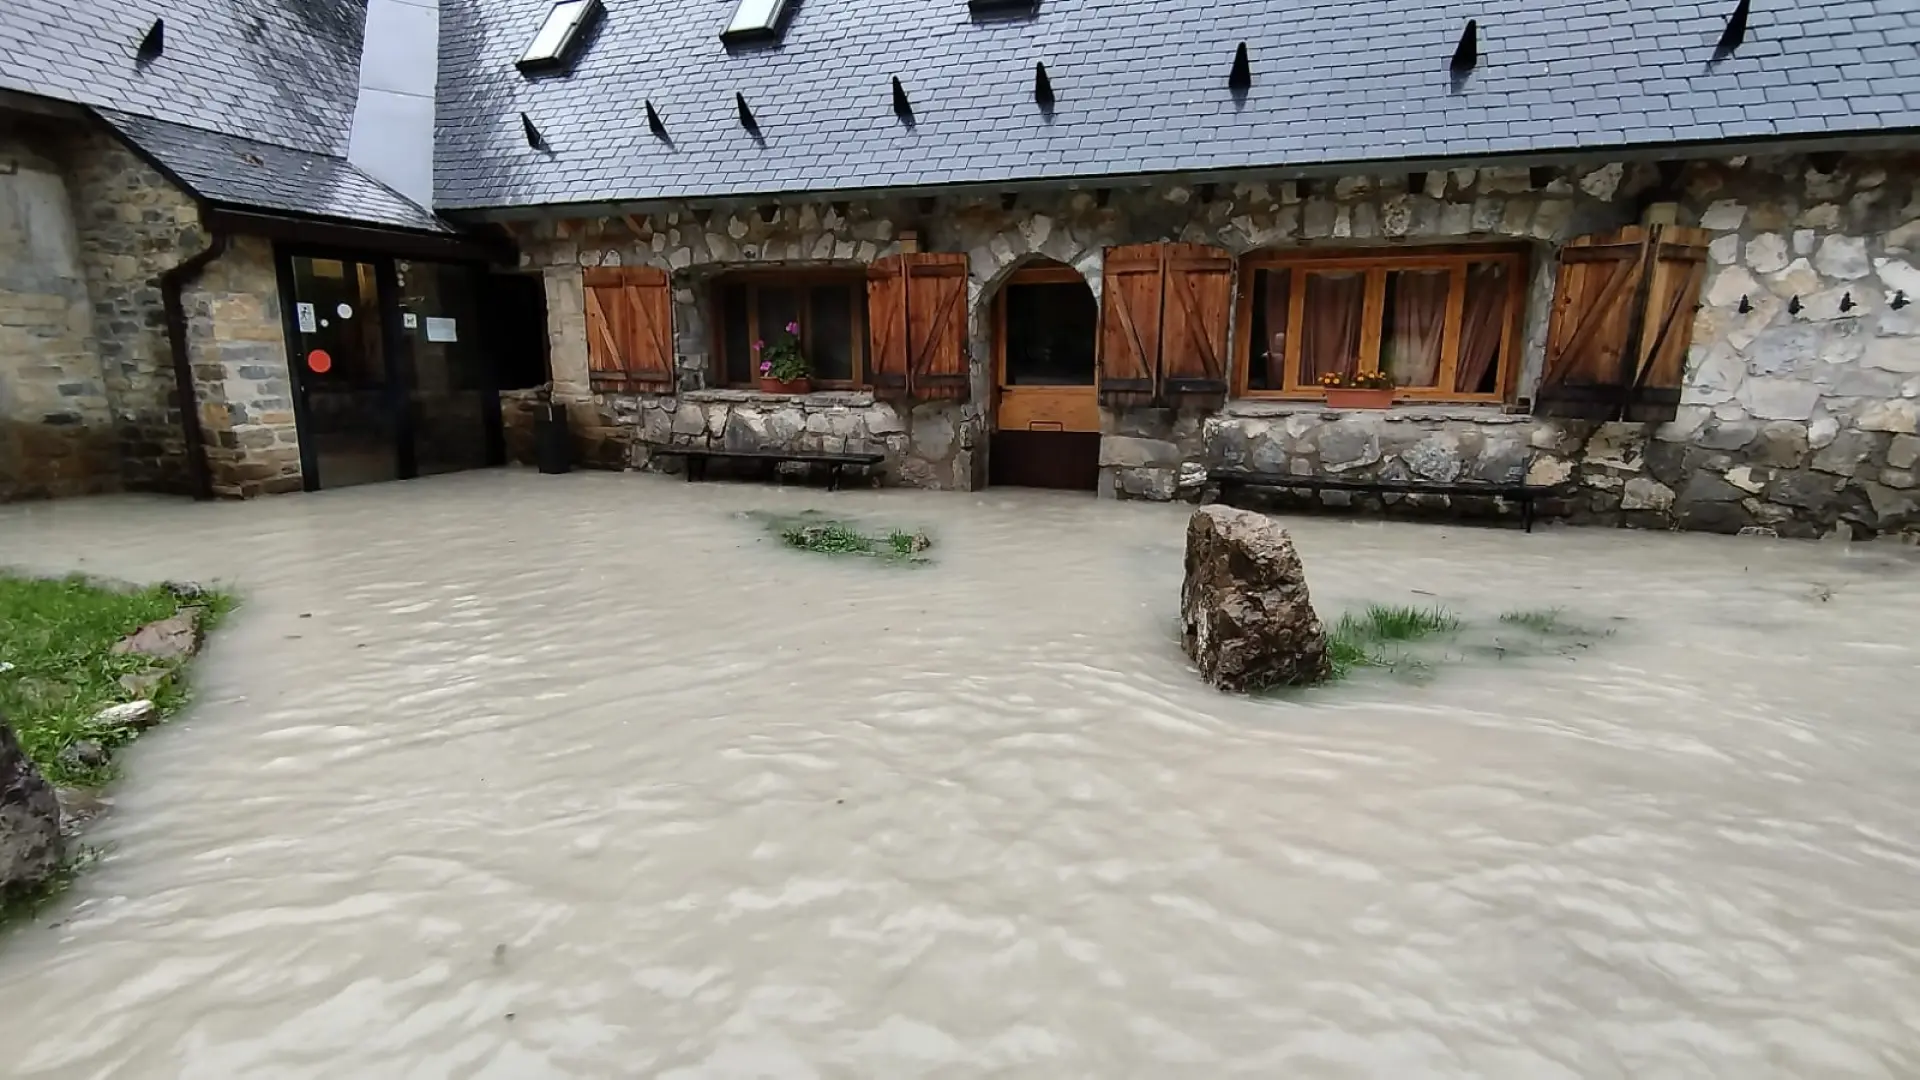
[
  {"x": 833, "y": 478},
  {"x": 1526, "y": 512}
]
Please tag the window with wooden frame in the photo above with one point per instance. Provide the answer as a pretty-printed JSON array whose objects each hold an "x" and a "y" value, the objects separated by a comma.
[
  {"x": 1444, "y": 323},
  {"x": 830, "y": 307}
]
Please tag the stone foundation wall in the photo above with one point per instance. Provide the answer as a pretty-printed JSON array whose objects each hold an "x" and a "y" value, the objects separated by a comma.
[
  {"x": 55, "y": 417},
  {"x": 237, "y": 343}
]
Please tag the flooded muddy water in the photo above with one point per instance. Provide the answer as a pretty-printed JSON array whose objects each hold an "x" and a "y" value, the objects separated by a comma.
[{"x": 516, "y": 776}]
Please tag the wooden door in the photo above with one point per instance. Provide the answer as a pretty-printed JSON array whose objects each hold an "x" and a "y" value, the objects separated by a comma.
[{"x": 1045, "y": 321}]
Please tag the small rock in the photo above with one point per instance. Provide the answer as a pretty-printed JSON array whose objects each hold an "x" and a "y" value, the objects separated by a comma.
[
  {"x": 84, "y": 755},
  {"x": 167, "y": 639},
  {"x": 136, "y": 715},
  {"x": 186, "y": 590}
]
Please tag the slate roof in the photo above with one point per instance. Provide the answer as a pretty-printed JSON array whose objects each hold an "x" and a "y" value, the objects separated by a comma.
[
  {"x": 238, "y": 82},
  {"x": 283, "y": 71},
  {"x": 250, "y": 173},
  {"x": 1142, "y": 88}
]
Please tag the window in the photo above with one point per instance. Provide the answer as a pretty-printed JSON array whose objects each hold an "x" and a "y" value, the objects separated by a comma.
[
  {"x": 566, "y": 23},
  {"x": 755, "y": 19},
  {"x": 831, "y": 309},
  {"x": 1443, "y": 324}
]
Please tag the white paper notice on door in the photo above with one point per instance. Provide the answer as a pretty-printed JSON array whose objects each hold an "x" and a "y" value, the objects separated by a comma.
[
  {"x": 308, "y": 324},
  {"x": 442, "y": 329}
]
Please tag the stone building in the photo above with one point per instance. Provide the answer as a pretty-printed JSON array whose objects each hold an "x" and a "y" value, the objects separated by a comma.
[{"x": 1108, "y": 247}]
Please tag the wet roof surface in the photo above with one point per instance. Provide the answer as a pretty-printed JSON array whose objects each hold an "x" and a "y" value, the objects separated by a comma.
[{"x": 1141, "y": 87}]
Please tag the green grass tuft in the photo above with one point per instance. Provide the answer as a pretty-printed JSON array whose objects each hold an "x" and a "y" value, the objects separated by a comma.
[
  {"x": 810, "y": 531},
  {"x": 1371, "y": 638}
]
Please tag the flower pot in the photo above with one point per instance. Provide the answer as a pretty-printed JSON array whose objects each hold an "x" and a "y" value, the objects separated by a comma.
[
  {"x": 1349, "y": 397},
  {"x": 785, "y": 386}
]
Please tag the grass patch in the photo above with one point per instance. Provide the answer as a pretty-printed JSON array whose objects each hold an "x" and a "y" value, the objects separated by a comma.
[
  {"x": 58, "y": 635},
  {"x": 1548, "y": 622},
  {"x": 1375, "y": 637},
  {"x": 813, "y": 531}
]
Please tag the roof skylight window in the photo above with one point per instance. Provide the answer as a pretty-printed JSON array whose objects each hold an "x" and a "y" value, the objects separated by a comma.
[
  {"x": 755, "y": 19},
  {"x": 1002, "y": 8},
  {"x": 566, "y": 25}
]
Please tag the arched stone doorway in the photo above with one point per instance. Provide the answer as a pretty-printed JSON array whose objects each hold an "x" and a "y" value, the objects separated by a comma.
[{"x": 1046, "y": 416}]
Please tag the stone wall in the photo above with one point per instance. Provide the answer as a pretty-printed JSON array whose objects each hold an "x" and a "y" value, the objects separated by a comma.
[
  {"x": 237, "y": 343},
  {"x": 133, "y": 225},
  {"x": 1073, "y": 228},
  {"x": 1798, "y": 417},
  {"x": 55, "y": 417}
]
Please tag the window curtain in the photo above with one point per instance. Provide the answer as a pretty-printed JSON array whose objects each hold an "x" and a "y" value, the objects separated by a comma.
[
  {"x": 1417, "y": 322},
  {"x": 1480, "y": 328},
  {"x": 1330, "y": 338},
  {"x": 1277, "y": 298}
]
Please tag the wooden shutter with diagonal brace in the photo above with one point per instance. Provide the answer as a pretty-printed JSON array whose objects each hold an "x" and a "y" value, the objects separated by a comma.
[
  {"x": 1623, "y": 311},
  {"x": 917, "y": 326},
  {"x": 1197, "y": 307},
  {"x": 629, "y": 330},
  {"x": 1132, "y": 286}
]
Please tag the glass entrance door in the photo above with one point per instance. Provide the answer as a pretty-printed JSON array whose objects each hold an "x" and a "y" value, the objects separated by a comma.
[
  {"x": 395, "y": 377},
  {"x": 349, "y": 425}
]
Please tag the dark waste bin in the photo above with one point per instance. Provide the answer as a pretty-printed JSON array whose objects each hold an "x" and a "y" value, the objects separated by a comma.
[{"x": 553, "y": 440}]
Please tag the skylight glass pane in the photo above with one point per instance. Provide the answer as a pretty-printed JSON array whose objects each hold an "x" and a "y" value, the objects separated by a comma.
[
  {"x": 561, "y": 22},
  {"x": 756, "y": 17}
]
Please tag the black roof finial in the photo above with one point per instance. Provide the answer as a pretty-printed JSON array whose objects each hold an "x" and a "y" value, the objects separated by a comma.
[
  {"x": 1734, "y": 34},
  {"x": 1042, "y": 88},
  {"x": 902, "y": 108},
  {"x": 533, "y": 133},
  {"x": 1466, "y": 55},
  {"x": 153, "y": 44},
  {"x": 1240, "y": 79},
  {"x": 654, "y": 123},
  {"x": 746, "y": 115}
]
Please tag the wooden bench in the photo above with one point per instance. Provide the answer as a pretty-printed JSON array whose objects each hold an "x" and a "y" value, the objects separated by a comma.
[
  {"x": 698, "y": 456},
  {"x": 1230, "y": 480}
]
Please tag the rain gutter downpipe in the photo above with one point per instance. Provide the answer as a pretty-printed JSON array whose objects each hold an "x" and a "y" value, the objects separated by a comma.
[{"x": 172, "y": 282}]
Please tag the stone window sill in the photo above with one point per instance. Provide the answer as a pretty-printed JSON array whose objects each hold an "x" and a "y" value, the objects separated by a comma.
[
  {"x": 1478, "y": 414},
  {"x": 817, "y": 399}
]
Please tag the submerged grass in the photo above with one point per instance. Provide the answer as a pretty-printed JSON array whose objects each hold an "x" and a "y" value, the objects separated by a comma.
[
  {"x": 58, "y": 637},
  {"x": 812, "y": 531},
  {"x": 1368, "y": 638}
]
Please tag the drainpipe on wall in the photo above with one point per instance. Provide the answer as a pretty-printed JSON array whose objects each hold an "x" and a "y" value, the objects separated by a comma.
[{"x": 199, "y": 476}]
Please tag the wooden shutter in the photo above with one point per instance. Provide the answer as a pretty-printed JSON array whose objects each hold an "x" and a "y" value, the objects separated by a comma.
[
  {"x": 629, "y": 330},
  {"x": 887, "y": 327},
  {"x": 1677, "y": 260},
  {"x": 1622, "y": 321},
  {"x": 937, "y": 325},
  {"x": 1592, "y": 326},
  {"x": 917, "y": 326},
  {"x": 1132, "y": 285},
  {"x": 1198, "y": 288}
]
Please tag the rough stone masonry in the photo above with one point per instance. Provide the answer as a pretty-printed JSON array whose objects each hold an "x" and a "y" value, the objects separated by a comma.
[{"x": 1246, "y": 618}]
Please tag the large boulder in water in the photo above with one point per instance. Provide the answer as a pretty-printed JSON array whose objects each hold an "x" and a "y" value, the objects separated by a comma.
[
  {"x": 1247, "y": 621},
  {"x": 30, "y": 844}
]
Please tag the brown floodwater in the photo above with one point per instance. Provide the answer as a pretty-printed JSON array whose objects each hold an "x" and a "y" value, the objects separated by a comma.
[{"x": 517, "y": 776}]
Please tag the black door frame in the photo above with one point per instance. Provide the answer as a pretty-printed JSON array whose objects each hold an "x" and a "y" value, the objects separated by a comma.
[{"x": 399, "y": 357}]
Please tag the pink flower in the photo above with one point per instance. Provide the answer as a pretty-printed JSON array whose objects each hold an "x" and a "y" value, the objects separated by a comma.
[
  {"x": 766, "y": 366},
  {"x": 793, "y": 328},
  {"x": 758, "y": 345}
]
